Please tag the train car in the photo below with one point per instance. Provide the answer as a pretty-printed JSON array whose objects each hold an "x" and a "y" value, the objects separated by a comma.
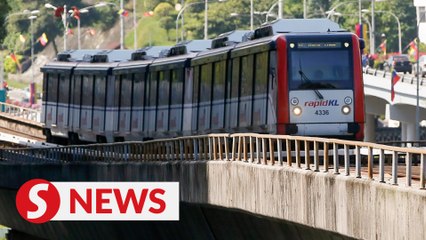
[{"x": 292, "y": 76}]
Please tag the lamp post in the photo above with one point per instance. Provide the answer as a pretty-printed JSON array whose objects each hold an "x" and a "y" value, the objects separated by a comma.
[
  {"x": 182, "y": 9},
  {"x": 32, "y": 17},
  {"x": 399, "y": 27},
  {"x": 64, "y": 21},
  {"x": 101, "y": 4}
]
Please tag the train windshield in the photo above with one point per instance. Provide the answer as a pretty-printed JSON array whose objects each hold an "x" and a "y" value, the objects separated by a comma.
[{"x": 321, "y": 65}]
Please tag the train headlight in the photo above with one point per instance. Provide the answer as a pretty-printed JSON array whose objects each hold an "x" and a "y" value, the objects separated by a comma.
[
  {"x": 297, "y": 111},
  {"x": 294, "y": 101},
  {"x": 346, "y": 110},
  {"x": 348, "y": 100}
]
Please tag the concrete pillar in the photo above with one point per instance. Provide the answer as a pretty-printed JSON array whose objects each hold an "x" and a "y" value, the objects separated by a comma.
[
  {"x": 370, "y": 128},
  {"x": 408, "y": 132},
  {"x": 411, "y": 131},
  {"x": 403, "y": 131}
]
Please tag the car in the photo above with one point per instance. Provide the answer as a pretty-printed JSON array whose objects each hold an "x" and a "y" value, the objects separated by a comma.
[
  {"x": 422, "y": 66},
  {"x": 399, "y": 63}
]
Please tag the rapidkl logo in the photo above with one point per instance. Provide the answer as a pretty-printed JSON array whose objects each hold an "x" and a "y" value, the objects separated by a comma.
[{"x": 40, "y": 201}]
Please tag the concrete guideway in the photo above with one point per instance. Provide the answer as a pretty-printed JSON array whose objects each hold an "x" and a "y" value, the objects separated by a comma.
[
  {"x": 377, "y": 88},
  {"x": 335, "y": 185}
]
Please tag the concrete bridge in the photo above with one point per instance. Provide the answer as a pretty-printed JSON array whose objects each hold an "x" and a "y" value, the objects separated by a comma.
[
  {"x": 377, "y": 88},
  {"x": 240, "y": 186}
]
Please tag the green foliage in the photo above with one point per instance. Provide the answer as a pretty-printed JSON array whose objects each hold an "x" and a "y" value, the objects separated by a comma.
[{"x": 160, "y": 28}]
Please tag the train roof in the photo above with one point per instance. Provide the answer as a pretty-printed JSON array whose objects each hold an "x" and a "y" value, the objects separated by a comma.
[{"x": 303, "y": 25}]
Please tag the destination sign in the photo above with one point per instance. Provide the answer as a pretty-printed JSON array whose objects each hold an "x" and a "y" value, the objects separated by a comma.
[{"x": 319, "y": 45}]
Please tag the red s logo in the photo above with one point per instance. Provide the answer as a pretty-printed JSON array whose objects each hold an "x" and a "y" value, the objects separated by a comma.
[{"x": 37, "y": 201}]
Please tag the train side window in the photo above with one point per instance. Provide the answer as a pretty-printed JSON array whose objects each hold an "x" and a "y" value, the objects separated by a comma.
[
  {"x": 53, "y": 87},
  {"x": 177, "y": 86},
  {"x": 87, "y": 90},
  {"x": 64, "y": 89},
  {"x": 100, "y": 89},
  {"x": 219, "y": 80},
  {"x": 126, "y": 90},
  {"x": 153, "y": 89},
  {"x": 77, "y": 90},
  {"x": 261, "y": 75},
  {"x": 196, "y": 80},
  {"x": 138, "y": 89},
  {"x": 235, "y": 77},
  {"x": 247, "y": 76},
  {"x": 164, "y": 88},
  {"x": 206, "y": 83}
]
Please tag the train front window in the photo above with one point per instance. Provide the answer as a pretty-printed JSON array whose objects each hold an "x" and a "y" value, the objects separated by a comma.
[{"x": 320, "y": 68}]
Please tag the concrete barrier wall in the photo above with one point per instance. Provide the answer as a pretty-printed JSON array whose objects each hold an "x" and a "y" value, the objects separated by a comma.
[
  {"x": 347, "y": 205},
  {"x": 353, "y": 207}
]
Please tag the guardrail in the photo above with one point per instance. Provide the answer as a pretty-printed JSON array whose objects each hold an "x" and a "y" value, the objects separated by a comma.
[
  {"x": 408, "y": 78},
  {"x": 18, "y": 111},
  {"x": 313, "y": 154}
]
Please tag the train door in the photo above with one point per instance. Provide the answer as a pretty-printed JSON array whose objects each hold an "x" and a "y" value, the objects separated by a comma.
[
  {"x": 232, "y": 114},
  {"x": 87, "y": 92},
  {"x": 188, "y": 105},
  {"x": 100, "y": 90},
  {"x": 195, "y": 98},
  {"x": 125, "y": 102},
  {"x": 138, "y": 103},
  {"x": 76, "y": 102},
  {"x": 260, "y": 97},
  {"x": 151, "y": 104},
  {"x": 162, "y": 119},
  {"x": 246, "y": 92},
  {"x": 51, "y": 98},
  {"x": 204, "y": 110},
  {"x": 218, "y": 103},
  {"x": 63, "y": 101},
  {"x": 176, "y": 100}
]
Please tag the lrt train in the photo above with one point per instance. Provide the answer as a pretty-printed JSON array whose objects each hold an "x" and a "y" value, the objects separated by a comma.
[{"x": 292, "y": 76}]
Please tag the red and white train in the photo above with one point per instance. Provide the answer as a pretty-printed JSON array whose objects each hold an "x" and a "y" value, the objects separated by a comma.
[{"x": 292, "y": 76}]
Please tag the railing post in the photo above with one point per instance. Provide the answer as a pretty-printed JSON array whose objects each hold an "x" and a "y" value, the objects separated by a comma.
[
  {"x": 325, "y": 157},
  {"x": 422, "y": 171},
  {"x": 347, "y": 160},
  {"x": 408, "y": 170},
  {"x": 271, "y": 151},
  {"x": 279, "y": 150},
  {"x": 382, "y": 165},
  {"x": 288, "y": 149},
  {"x": 357, "y": 162},
  {"x": 336, "y": 158},
  {"x": 316, "y": 156},
  {"x": 394, "y": 168},
  {"x": 370, "y": 163}
]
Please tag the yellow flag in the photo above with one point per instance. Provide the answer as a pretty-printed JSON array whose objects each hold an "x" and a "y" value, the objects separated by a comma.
[{"x": 22, "y": 38}]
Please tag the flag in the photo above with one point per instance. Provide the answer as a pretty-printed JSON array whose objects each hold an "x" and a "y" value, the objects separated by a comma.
[
  {"x": 123, "y": 12},
  {"x": 16, "y": 61},
  {"x": 395, "y": 79},
  {"x": 75, "y": 13},
  {"x": 43, "y": 39},
  {"x": 148, "y": 14},
  {"x": 359, "y": 30},
  {"x": 383, "y": 47},
  {"x": 412, "y": 51},
  {"x": 22, "y": 38},
  {"x": 91, "y": 32}
]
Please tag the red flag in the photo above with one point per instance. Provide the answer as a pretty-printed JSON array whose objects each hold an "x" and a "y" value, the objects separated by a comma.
[
  {"x": 413, "y": 49},
  {"x": 358, "y": 30},
  {"x": 395, "y": 79},
  {"x": 59, "y": 11},
  {"x": 383, "y": 47},
  {"x": 16, "y": 61},
  {"x": 75, "y": 13}
]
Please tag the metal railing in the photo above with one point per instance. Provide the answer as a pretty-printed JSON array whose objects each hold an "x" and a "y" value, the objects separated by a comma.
[
  {"x": 18, "y": 111},
  {"x": 351, "y": 158}
]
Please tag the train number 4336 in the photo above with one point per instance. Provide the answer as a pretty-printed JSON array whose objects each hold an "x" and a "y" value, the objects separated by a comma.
[{"x": 322, "y": 112}]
